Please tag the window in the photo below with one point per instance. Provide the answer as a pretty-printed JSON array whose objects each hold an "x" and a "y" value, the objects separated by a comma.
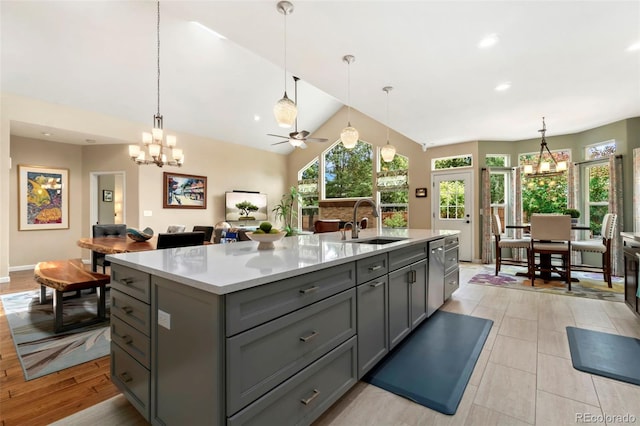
[
  {"x": 451, "y": 162},
  {"x": 499, "y": 184},
  {"x": 308, "y": 190},
  {"x": 600, "y": 150},
  {"x": 544, "y": 195},
  {"x": 452, "y": 199},
  {"x": 393, "y": 192},
  {"x": 348, "y": 173},
  {"x": 596, "y": 185}
]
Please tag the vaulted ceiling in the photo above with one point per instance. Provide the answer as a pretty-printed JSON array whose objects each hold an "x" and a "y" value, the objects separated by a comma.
[{"x": 565, "y": 60}]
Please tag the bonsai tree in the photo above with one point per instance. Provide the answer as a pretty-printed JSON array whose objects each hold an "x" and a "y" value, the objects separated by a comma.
[
  {"x": 246, "y": 207},
  {"x": 287, "y": 212}
]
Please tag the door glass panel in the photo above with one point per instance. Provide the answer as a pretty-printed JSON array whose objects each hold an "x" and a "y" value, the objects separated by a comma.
[{"x": 452, "y": 199}]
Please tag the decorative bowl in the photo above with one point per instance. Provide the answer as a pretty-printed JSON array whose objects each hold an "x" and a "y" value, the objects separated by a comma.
[
  {"x": 265, "y": 241},
  {"x": 136, "y": 235}
]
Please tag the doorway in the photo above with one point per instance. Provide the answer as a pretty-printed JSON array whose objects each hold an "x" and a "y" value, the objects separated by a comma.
[
  {"x": 453, "y": 207},
  {"x": 107, "y": 195}
]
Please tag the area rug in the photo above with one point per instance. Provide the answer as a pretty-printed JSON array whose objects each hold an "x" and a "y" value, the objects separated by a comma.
[
  {"x": 433, "y": 365},
  {"x": 590, "y": 285},
  {"x": 40, "y": 350},
  {"x": 605, "y": 354}
]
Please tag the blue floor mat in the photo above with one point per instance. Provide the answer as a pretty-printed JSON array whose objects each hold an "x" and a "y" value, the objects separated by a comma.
[
  {"x": 433, "y": 365},
  {"x": 604, "y": 354}
]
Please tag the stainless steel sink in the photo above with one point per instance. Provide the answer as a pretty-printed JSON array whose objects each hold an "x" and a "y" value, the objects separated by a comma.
[{"x": 377, "y": 240}]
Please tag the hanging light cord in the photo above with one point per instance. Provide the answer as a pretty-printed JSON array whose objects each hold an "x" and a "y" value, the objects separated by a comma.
[
  {"x": 349, "y": 93},
  {"x": 158, "y": 46},
  {"x": 285, "y": 52},
  {"x": 387, "y": 116}
]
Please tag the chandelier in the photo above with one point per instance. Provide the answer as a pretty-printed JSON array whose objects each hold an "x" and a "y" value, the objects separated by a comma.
[
  {"x": 544, "y": 168},
  {"x": 388, "y": 151},
  {"x": 154, "y": 142}
]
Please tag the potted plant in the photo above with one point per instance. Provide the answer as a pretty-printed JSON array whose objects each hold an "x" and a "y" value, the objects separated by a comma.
[
  {"x": 286, "y": 210},
  {"x": 575, "y": 214}
]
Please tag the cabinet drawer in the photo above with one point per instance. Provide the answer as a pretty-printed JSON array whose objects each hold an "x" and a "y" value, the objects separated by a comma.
[
  {"x": 450, "y": 242},
  {"x": 406, "y": 256},
  {"x": 450, "y": 259},
  {"x": 130, "y": 310},
  {"x": 304, "y": 397},
  {"x": 372, "y": 267},
  {"x": 134, "y": 283},
  {"x": 263, "y": 357},
  {"x": 451, "y": 282},
  {"x": 131, "y": 340},
  {"x": 252, "y": 307},
  {"x": 131, "y": 378}
]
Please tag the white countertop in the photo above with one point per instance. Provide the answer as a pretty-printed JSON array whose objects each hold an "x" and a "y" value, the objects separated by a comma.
[{"x": 225, "y": 268}]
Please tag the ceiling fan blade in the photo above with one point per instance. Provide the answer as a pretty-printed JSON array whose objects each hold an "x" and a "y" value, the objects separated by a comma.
[
  {"x": 316, "y": 140},
  {"x": 278, "y": 136},
  {"x": 278, "y": 143}
]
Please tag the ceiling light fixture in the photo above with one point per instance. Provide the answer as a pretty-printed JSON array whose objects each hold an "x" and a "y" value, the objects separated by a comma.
[
  {"x": 349, "y": 135},
  {"x": 488, "y": 41},
  {"x": 503, "y": 86},
  {"x": 543, "y": 168},
  {"x": 388, "y": 151},
  {"x": 285, "y": 109},
  {"x": 634, "y": 47},
  {"x": 154, "y": 141}
]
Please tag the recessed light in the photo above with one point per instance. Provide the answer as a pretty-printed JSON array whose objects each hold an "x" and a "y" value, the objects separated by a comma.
[
  {"x": 90, "y": 140},
  {"x": 220, "y": 36},
  {"x": 256, "y": 117},
  {"x": 46, "y": 134},
  {"x": 488, "y": 41},
  {"x": 503, "y": 86},
  {"x": 633, "y": 47}
]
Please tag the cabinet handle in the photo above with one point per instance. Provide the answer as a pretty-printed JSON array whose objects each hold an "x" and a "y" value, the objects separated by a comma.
[
  {"x": 415, "y": 276},
  {"x": 127, "y": 309},
  {"x": 376, "y": 284},
  {"x": 127, "y": 339},
  {"x": 125, "y": 377},
  {"x": 374, "y": 268},
  {"x": 309, "y": 337},
  {"x": 127, "y": 281},
  {"x": 309, "y": 290},
  {"x": 316, "y": 392}
]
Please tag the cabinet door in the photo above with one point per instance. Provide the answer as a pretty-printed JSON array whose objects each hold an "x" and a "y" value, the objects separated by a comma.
[
  {"x": 399, "y": 305},
  {"x": 373, "y": 338},
  {"x": 418, "y": 293}
]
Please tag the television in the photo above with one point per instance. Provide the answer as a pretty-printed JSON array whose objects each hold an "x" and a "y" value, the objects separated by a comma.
[{"x": 241, "y": 206}]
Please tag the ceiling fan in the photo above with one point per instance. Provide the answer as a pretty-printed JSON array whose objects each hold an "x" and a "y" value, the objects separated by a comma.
[{"x": 297, "y": 138}]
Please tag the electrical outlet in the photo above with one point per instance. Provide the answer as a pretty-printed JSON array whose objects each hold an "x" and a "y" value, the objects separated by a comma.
[{"x": 164, "y": 319}]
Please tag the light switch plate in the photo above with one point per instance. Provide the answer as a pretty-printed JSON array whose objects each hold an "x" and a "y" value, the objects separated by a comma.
[
  {"x": 147, "y": 213},
  {"x": 164, "y": 319}
]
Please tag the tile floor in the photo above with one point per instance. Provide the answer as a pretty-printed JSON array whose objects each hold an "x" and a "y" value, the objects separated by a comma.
[{"x": 524, "y": 375}]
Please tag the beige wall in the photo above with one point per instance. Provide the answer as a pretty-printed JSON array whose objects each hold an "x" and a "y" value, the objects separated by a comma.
[{"x": 226, "y": 166}]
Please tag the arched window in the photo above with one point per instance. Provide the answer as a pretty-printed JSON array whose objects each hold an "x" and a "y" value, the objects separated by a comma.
[
  {"x": 393, "y": 192},
  {"x": 348, "y": 173},
  {"x": 308, "y": 190}
]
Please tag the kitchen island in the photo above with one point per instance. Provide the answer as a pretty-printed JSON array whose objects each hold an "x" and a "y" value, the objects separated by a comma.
[{"x": 228, "y": 334}]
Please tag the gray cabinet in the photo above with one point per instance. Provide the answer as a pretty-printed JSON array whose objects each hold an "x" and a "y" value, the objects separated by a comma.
[
  {"x": 373, "y": 317},
  {"x": 436, "y": 276},
  {"x": 451, "y": 266}
]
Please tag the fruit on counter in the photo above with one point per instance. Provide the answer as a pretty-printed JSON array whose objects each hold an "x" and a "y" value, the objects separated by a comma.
[
  {"x": 259, "y": 231},
  {"x": 266, "y": 227}
]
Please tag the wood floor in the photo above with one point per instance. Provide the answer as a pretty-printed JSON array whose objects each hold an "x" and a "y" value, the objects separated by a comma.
[
  {"x": 524, "y": 375},
  {"x": 52, "y": 397}
]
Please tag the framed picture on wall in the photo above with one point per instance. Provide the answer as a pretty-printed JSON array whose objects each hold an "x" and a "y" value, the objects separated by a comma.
[
  {"x": 43, "y": 198},
  {"x": 107, "y": 195},
  {"x": 421, "y": 192},
  {"x": 184, "y": 191}
]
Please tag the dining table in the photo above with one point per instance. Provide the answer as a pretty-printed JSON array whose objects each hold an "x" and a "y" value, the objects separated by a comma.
[
  {"x": 114, "y": 245},
  {"x": 545, "y": 259}
]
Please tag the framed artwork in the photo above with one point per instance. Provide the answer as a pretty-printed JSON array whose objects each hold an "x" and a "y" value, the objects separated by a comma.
[
  {"x": 107, "y": 195},
  {"x": 43, "y": 198},
  {"x": 184, "y": 191},
  {"x": 421, "y": 192}
]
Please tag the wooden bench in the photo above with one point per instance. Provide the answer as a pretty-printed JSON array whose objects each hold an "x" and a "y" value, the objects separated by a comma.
[{"x": 70, "y": 275}]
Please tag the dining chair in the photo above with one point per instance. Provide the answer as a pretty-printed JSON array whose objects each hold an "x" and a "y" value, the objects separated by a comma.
[
  {"x": 180, "y": 239},
  {"x": 510, "y": 243},
  {"x": 208, "y": 231},
  {"x": 101, "y": 231},
  {"x": 550, "y": 236},
  {"x": 599, "y": 245},
  {"x": 172, "y": 229}
]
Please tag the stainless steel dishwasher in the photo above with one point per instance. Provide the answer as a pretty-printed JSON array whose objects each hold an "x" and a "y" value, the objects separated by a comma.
[{"x": 435, "y": 292}]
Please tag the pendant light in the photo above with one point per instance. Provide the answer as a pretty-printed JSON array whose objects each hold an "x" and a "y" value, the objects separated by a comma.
[
  {"x": 388, "y": 151},
  {"x": 285, "y": 109},
  {"x": 154, "y": 142},
  {"x": 349, "y": 135}
]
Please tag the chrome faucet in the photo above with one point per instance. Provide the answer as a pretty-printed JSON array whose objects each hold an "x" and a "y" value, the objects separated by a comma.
[
  {"x": 355, "y": 228},
  {"x": 344, "y": 230}
]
